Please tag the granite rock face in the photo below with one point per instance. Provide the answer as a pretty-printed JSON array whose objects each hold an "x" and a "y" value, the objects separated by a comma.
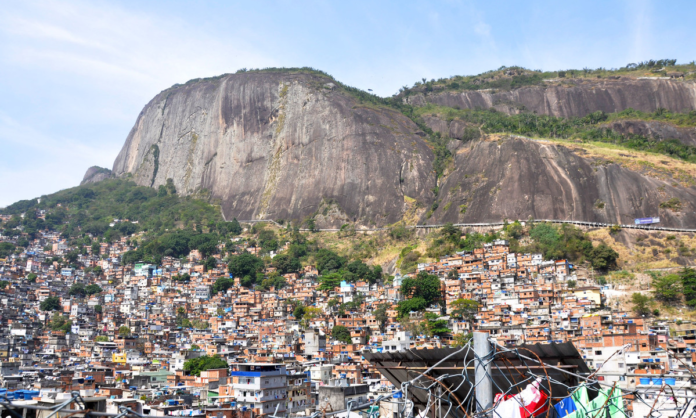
[
  {"x": 573, "y": 98},
  {"x": 282, "y": 145},
  {"x": 95, "y": 174},
  {"x": 655, "y": 129},
  {"x": 273, "y": 145},
  {"x": 518, "y": 178}
]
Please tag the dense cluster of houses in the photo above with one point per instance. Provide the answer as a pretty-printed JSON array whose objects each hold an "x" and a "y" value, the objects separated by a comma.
[{"x": 128, "y": 344}]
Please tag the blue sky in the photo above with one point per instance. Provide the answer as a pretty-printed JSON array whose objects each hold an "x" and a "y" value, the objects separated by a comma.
[{"x": 75, "y": 74}]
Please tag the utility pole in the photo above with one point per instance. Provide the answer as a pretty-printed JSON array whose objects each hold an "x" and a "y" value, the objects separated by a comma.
[{"x": 482, "y": 376}]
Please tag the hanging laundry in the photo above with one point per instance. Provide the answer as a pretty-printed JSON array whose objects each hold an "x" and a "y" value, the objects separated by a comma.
[
  {"x": 534, "y": 401},
  {"x": 616, "y": 404},
  {"x": 531, "y": 402},
  {"x": 569, "y": 404},
  {"x": 596, "y": 405},
  {"x": 565, "y": 407}
]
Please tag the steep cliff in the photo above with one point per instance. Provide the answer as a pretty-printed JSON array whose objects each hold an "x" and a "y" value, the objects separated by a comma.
[
  {"x": 292, "y": 144},
  {"x": 513, "y": 178},
  {"x": 572, "y": 98},
  {"x": 280, "y": 145}
]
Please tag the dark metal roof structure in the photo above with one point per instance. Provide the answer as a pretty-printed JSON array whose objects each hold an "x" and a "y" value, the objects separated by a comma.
[{"x": 507, "y": 371}]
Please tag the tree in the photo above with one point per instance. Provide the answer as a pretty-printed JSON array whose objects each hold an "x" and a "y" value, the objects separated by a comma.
[
  {"x": 235, "y": 228},
  {"x": 3, "y": 284},
  {"x": 328, "y": 261},
  {"x": 93, "y": 289},
  {"x": 381, "y": 316},
  {"x": 411, "y": 305},
  {"x": 311, "y": 225},
  {"x": 284, "y": 264},
  {"x": 51, "y": 303},
  {"x": 667, "y": 288},
  {"x": 688, "y": 279},
  {"x": 277, "y": 282},
  {"x": 425, "y": 286},
  {"x": 603, "y": 257},
  {"x": 31, "y": 277},
  {"x": 462, "y": 339},
  {"x": 171, "y": 190},
  {"x": 361, "y": 271},
  {"x": 222, "y": 284},
  {"x": 329, "y": 281},
  {"x": 450, "y": 233},
  {"x": 195, "y": 366},
  {"x": 98, "y": 309},
  {"x": 195, "y": 347},
  {"x": 465, "y": 309},
  {"x": 341, "y": 333},
  {"x": 71, "y": 257},
  {"x": 77, "y": 289},
  {"x": 571, "y": 284},
  {"x": 298, "y": 312},
  {"x": 101, "y": 338},
  {"x": 210, "y": 263},
  {"x": 436, "y": 326},
  {"x": 641, "y": 303},
  {"x": 124, "y": 331},
  {"x": 245, "y": 264},
  {"x": 60, "y": 323},
  {"x": 310, "y": 312},
  {"x": 267, "y": 240}
]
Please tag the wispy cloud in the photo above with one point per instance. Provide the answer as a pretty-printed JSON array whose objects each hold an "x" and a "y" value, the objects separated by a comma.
[
  {"x": 96, "y": 65},
  {"x": 639, "y": 15}
]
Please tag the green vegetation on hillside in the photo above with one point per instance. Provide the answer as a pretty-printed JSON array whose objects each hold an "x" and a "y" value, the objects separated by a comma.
[
  {"x": 591, "y": 128},
  {"x": 508, "y": 78},
  {"x": 92, "y": 207},
  {"x": 554, "y": 242}
]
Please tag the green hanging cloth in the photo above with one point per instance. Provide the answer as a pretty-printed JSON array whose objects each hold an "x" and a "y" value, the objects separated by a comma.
[
  {"x": 581, "y": 400},
  {"x": 597, "y": 407},
  {"x": 616, "y": 405},
  {"x": 580, "y": 396}
]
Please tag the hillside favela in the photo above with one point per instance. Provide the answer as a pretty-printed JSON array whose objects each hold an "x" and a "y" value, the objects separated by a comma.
[{"x": 274, "y": 242}]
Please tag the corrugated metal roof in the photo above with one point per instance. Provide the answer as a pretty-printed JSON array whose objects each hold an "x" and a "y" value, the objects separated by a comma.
[{"x": 403, "y": 366}]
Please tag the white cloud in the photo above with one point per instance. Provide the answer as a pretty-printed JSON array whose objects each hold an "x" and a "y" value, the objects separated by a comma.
[{"x": 93, "y": 66}]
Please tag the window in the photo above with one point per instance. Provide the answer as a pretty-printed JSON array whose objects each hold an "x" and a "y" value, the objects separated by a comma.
[
  {"x": 621, "y": 365},
  {"x": 598, "y": 353}
]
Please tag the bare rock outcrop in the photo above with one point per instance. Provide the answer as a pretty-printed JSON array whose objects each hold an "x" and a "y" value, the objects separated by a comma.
[
  {"x": 573, "y": 98},
  {"x": 96, "y": 174},
  {"x": 290, "y": 145},
  {"x": 517, "y": 179},
  {"x": 279, "y": 145},
  {"x": 655, "y": 129}
]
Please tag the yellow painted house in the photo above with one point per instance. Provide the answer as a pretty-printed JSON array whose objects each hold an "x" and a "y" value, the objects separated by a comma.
[{"x": 118, "y": 358}]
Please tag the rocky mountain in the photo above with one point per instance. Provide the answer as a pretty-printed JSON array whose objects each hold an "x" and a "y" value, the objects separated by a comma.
[
  {"x": 294, "y": 144},
  {"x": 95, "y": 174},
  {"x": 515, "y": 178},
  {"x": 572, "y": 97},
  {"x": 279, "y": 145}
]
